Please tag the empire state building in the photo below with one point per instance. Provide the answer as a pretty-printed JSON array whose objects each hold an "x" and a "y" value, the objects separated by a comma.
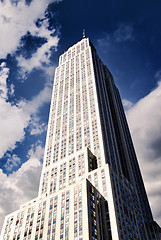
[{"x": 91, "y": 186}]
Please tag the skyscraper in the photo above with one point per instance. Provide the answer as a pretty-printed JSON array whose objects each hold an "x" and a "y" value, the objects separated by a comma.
[{"x": 91, "y": 186}]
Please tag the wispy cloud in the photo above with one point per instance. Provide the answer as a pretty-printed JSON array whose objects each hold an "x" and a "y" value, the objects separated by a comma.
[
  {"x": 158, "y": 75},
  {"x": 145, "y": 123},
  {"x": 21, "y": 186},
  {"x": 12, "y": 161},
  {"x": 123, "y": 33}
]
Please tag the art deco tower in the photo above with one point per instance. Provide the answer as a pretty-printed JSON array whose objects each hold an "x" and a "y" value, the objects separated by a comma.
[{"x": 91, "y": 186}]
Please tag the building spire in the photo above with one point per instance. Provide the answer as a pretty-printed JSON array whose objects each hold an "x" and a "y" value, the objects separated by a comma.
[{"x": 84, "y": 34}]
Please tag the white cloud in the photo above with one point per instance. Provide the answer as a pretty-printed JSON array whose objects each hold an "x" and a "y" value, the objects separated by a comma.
[
  {"x": 13, "y": 121},
  {"x": 35, "y": 127},
  {"x": 21, "y": 186},
  {"x": 4, "y": 72},
  {"x": 38, "y": 59},
  {"x": 33, "y": 106},
  {"x": 17, "y": 19},
  {"x": 145, "y": 123},
  {"x": 127, "y": 104},
  {"x": 12, "y": 89},
  {"x": 15, "y": 118}
]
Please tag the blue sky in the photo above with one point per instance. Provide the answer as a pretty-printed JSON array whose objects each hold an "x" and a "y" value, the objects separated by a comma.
[{"x": 34, "y": 33}]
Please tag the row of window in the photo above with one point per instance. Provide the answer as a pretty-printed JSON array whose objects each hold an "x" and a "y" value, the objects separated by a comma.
[
  {"x": 76, "y": 49},
  {"x": 51, "y": 177}
]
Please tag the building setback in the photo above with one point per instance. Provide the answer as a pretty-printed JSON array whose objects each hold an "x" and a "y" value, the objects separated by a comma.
[{"x": 91, "y": 186}]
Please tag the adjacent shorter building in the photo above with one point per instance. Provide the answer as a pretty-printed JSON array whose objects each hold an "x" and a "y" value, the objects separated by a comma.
[{"x": 91, "y": 186}]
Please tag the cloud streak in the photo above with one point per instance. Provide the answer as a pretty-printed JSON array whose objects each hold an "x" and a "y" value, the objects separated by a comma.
[{"x": 124, "y": 33}]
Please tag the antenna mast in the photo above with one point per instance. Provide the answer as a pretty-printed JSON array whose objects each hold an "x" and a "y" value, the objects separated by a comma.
[{"x": 84, "y": 34}]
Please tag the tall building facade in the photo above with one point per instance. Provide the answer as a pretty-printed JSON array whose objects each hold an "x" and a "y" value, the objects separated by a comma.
[{"x": 91, "y": 186}]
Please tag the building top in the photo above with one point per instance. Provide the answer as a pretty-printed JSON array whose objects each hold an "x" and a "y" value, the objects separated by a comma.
[{"x": 75, "y": 49}]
